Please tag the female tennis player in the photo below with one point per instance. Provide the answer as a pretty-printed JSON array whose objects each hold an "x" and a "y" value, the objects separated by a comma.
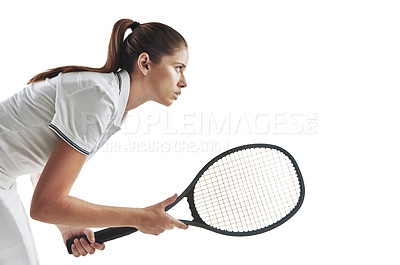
[{"x": 63, "y": 117}]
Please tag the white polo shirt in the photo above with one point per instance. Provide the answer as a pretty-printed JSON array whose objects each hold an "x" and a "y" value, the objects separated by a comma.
[{"x": 83, "y": 108}]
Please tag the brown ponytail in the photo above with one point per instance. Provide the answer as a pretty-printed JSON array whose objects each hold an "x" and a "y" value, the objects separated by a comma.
[{"x": 154, "y": 38}]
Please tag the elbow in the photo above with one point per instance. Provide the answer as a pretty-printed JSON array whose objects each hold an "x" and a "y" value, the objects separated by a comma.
[
  {"x": 44, "y": 210},
  {"x": 35, "y": 213},
  {"x": 39, "y": 211}
]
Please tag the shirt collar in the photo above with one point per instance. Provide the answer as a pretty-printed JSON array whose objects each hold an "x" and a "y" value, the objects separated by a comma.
[{"x": 124, "y": 89}]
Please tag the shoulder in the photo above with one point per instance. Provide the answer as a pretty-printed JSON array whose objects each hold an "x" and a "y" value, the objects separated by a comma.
[
  {"x": 87, "y": 92},
  {"x": 105, "y": 83}
]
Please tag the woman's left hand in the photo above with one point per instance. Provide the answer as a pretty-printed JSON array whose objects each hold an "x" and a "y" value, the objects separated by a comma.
[{"x": 80, "y": 247}]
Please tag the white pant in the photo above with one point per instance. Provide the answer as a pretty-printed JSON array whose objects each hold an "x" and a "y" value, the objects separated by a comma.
[{"x": 17, "y": 246}]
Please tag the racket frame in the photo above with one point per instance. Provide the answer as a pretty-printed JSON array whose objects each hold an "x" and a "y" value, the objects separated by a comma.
[{"x": 189, "y": 194}]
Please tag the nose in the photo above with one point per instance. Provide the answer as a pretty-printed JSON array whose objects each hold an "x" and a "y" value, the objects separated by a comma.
[{"x": 182, "y": 82}]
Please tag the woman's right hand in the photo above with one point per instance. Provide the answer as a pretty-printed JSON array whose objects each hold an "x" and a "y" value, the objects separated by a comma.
[
  {"x": 80, "y": 247},
  {"x": 155, "y": 220}
]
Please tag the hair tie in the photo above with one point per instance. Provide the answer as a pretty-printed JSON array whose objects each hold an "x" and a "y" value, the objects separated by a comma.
[{"x": 134, "y": 25}]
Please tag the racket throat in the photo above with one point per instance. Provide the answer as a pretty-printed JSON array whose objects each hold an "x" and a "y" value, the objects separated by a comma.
[
  {"x": 181, "y": 210},
  {"x": 195, "y": 216}
]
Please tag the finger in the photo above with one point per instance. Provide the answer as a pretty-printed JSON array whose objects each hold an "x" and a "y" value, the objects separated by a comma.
[
  {"x": 89, "y": 249},
  {"x": 98, "y": 246},
  {"x": 179, "y": 224},
  {"x": 90, "y": 235},
  {"x": 170, "y": 227},
  {"x": 169, "y": 201},
  {"x": 75, "y": 252},
  {"x": 79, "y": 247}
]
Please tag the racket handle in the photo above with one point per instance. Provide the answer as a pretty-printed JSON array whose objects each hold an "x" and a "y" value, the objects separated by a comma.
[{"x": 103, "y": 235}]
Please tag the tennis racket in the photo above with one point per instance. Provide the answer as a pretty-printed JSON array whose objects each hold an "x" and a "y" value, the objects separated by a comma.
[{"x": 244, "y": 191}]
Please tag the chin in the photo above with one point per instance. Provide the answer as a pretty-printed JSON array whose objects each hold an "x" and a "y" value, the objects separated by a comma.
[{"x": 166, "y": 103}]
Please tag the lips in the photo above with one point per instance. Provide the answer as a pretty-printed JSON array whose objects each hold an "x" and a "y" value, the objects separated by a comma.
[{"x": 177, "y": 94}]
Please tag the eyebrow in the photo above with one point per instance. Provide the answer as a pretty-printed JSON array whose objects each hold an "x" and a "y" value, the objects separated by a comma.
[{"x": 181, "y": 64}]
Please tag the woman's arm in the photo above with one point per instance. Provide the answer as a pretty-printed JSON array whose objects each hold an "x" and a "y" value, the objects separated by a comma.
[
  {"x": 52, "y": 204},
  {"x": 79, "y": 248}
]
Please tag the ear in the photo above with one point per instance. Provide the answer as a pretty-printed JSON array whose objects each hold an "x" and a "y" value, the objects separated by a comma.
[{"x": 143, "y": 63}]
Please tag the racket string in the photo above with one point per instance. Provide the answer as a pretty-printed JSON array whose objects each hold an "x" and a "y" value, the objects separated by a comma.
[{"x": 247, "y": 190}]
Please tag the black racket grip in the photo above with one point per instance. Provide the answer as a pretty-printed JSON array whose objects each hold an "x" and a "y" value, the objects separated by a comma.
[{"x": 103, "y": 235}]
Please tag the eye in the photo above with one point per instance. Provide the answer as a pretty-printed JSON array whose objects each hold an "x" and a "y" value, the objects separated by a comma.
[{"x": 179, "y": 68}]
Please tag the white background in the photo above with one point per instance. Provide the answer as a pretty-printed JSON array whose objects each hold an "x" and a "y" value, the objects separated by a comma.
[{"x": 319, "y": 75}]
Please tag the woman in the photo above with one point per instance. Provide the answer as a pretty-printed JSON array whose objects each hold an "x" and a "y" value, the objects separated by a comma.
[{"x": 63, "y": 117}]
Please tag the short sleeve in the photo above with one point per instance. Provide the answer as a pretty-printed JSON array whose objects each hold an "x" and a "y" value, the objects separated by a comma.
[{"x": 84, "y": 108}]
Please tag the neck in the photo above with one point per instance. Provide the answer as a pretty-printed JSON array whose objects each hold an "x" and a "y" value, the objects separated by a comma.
[{"x": 137, "y": 94}]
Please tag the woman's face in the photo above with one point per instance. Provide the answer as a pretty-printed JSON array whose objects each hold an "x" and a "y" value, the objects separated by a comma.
[{"x": 166, "y": 79}]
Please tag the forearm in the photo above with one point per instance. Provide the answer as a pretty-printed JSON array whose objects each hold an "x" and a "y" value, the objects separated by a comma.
[{"x": 71, "y": 211}]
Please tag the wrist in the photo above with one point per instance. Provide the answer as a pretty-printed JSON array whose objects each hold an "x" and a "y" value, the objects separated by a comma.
[
  {"x": 62, "y": 228},
  {"x": 137, "y": 217}
]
